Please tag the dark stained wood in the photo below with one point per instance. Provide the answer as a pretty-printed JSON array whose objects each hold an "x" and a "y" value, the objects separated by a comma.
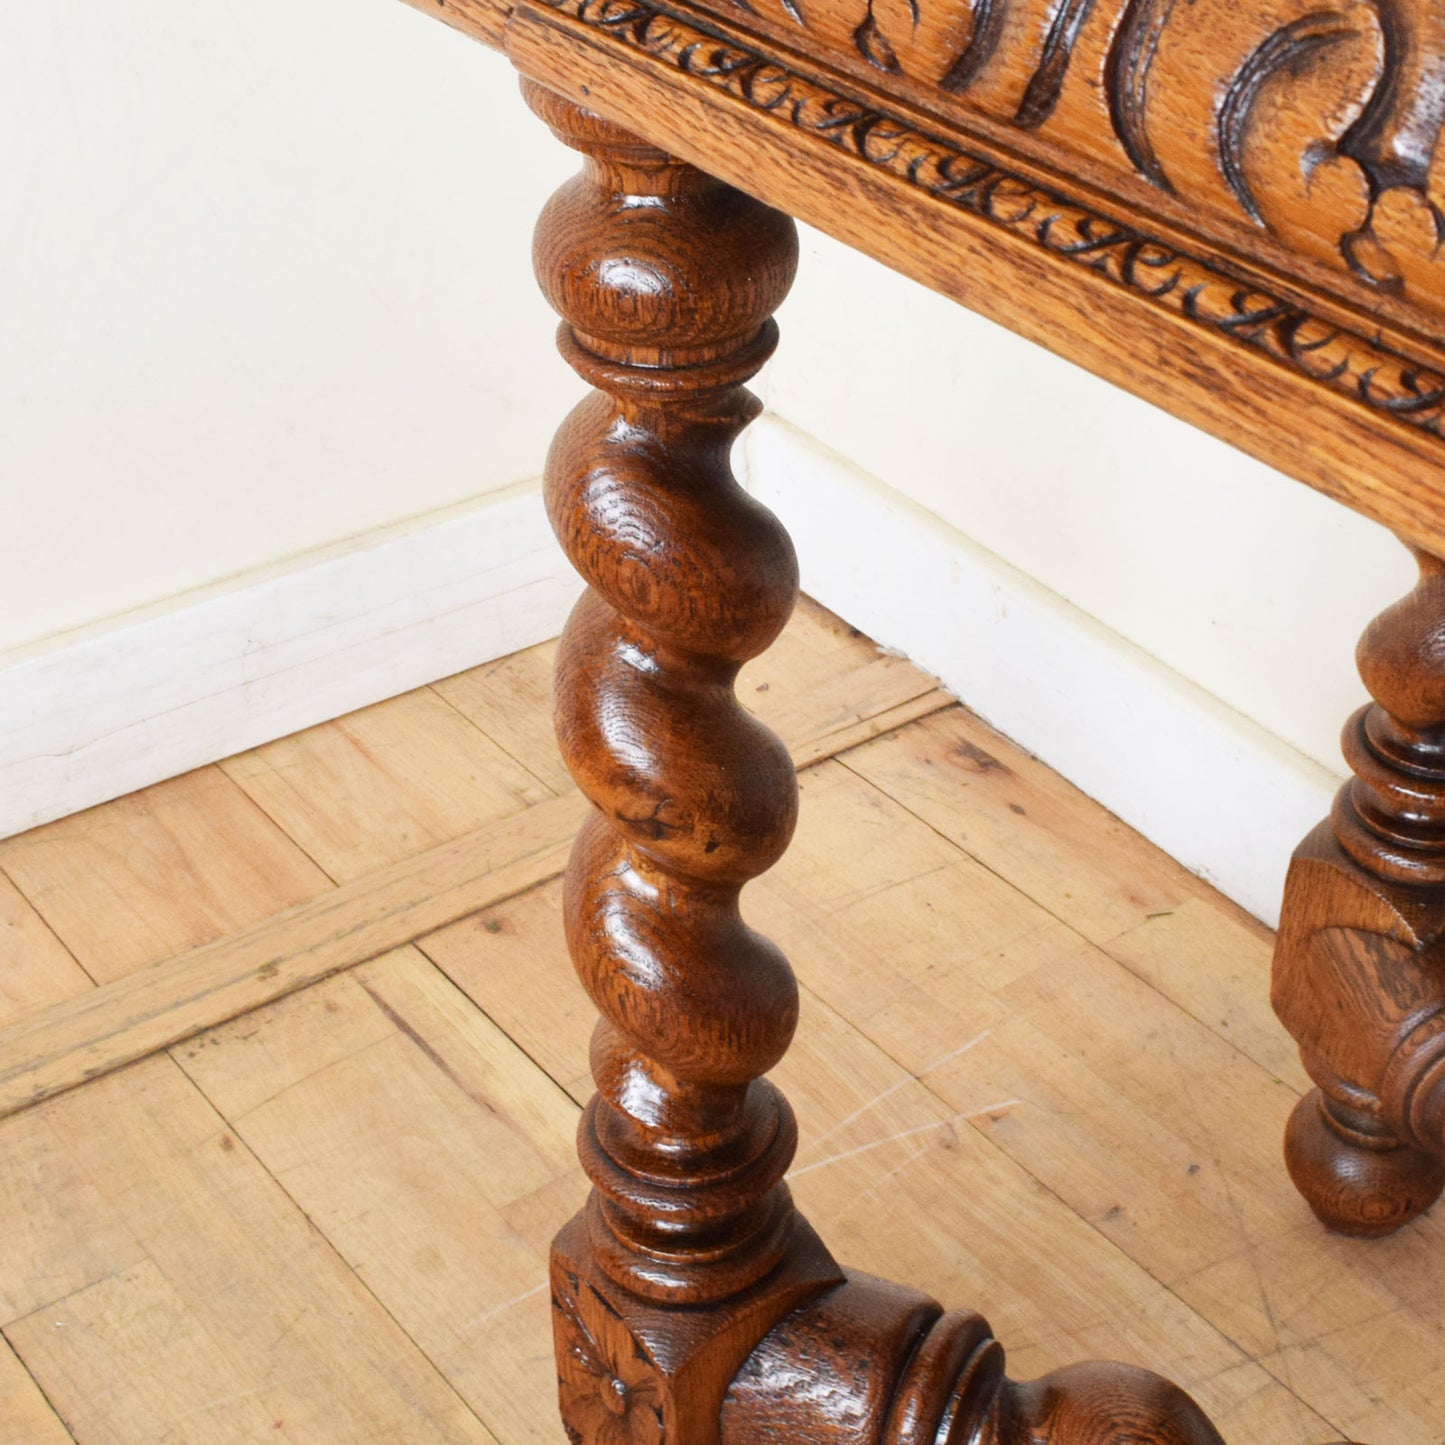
[
  {"x": 1359, "y": 979},
  {"x": 885, "y": 1363},
  {"x": 691, "y": 1301},
  {"x": 667, "y": 281}
]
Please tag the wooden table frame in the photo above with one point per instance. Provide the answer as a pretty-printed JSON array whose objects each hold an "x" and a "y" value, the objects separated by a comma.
[{"x": 692, "y": 1302}]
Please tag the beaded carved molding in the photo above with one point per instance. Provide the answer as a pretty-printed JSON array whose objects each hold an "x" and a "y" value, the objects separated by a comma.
[
  {"x": 1316, "y": 122},
  {"x": 1343, "y": 360}
]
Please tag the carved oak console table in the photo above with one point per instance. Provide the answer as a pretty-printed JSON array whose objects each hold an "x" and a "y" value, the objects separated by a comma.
[{"x": 1232, "y": 208}]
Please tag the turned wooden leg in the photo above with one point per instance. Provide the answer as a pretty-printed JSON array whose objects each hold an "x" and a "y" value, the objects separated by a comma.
[
  {"x": 1359, "y": 973},
  {"x": 692, "y": 1303}
]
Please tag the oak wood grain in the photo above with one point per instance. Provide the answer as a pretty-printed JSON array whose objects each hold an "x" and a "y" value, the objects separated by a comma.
[
  {"x": 158, "y": 1283},
  {"x": 1300, "y": 133},
  {"x": 853, "y": 695},
  {"x": 156, "y": 873},
  {"x": 690, "y": 1298}
]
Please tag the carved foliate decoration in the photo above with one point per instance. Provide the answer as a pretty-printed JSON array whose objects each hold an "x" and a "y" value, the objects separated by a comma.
[
  {"x": 611, "y": 1391},
  {"x": 1348, "y": 362},
  {"x": 1317, "y": 122}
]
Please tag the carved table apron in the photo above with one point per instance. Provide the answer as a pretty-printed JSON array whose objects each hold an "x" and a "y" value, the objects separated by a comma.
[{"x": 1229, "y": 207}]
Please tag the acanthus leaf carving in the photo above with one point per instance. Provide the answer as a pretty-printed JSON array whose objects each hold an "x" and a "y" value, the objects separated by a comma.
[
  {"x": 1317, "y": 122},
  {"x": 1255, "y": 179},
  {"x": 1126, "y": 83},
  {"x": 1357, "y": 366},
  {"x": 1046, "y": 83}
]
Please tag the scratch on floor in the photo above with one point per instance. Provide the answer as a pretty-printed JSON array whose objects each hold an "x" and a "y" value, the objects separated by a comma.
[
  {"x": 280, "y": 1384},
  {"x": 990, "y": 1109},
  {"x": 477, "y": 1321},
  {"x": 888, "y": 1093},
  {"x": 948, "y": 1058},
  {"x": 863, "y": 1109}
]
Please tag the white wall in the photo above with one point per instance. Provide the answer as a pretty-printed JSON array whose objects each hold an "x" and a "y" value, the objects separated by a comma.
[{"x": 264, "y": 284}]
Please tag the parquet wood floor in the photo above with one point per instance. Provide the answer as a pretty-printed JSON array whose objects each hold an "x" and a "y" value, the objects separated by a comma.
[{"x": 291, "y": 1059}]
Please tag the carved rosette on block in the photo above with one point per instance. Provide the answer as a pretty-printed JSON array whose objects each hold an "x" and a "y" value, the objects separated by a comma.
[
  {"x": 1360, "y": 962},
  {"x": 691, "y": 1303}
]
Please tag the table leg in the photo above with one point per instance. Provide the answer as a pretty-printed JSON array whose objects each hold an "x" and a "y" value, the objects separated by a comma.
[
  {"x": 692, "y": 1303},
  {"x": 1360, "y": 963}
]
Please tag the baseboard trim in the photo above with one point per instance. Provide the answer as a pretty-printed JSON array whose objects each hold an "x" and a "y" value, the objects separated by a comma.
[
  {"x": 92, "y": 715},
  {"x": 1217, "y": 791}
]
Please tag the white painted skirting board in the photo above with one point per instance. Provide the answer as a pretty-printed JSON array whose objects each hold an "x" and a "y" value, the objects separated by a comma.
[
  {"x": 1210, "y": 787},
  {"x": 90, "y": 716}
]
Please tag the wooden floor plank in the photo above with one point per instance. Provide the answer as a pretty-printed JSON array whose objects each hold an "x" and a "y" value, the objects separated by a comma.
[
  {"x": 899, "y": 1184},
  {"x": 915, "y": 1199},
  {"x": 1036, "y": 1074},
  {"x": 1063, "y": 851},
  {"x": 25, "y": 1414},
  {"x": 1156, "y": 1132},
  {"x": 48, "y": 1052},
  {"x": 1047, "y": 838},
  {"x": 510, "y": 961},
  {"x": 385, "y": 783},
  {"x": 36, "y": 969},
  {"x": 1155, "y": 1129},
  {"x": 159, "y": 872},
  {"x": 416, "y": 1137},
  {"x": 1217, "y": 968},
  {"x": 159, "y": 1285},
  {"x": 510, "y": 700}
]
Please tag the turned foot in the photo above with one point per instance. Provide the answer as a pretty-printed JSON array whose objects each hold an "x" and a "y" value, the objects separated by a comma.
[
  {"x": 873, "y": 1361},
  {"x": 1097, "y": 1404},
  {"x": 1359, "y": 969},
  {"x": 1358, "y": 1179}
]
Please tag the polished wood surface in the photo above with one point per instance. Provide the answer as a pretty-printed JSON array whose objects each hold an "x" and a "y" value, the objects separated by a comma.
[
  {"x": 1214, "y": 338},
  {"x": 1268, "y": 349},
  {"x": 1303, "y": 132}
]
